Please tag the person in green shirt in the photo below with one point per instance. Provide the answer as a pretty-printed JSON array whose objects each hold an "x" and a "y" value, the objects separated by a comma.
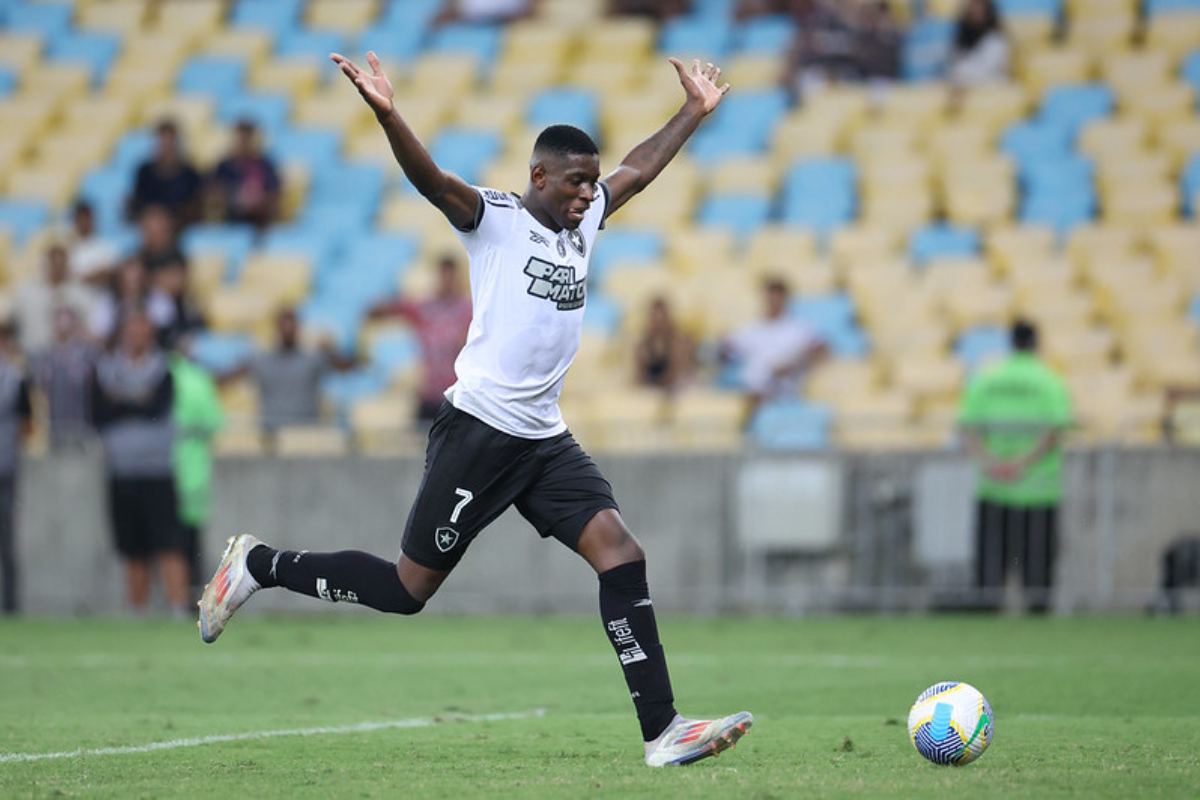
[
  {"x": 198, "y": 416},
  {"x": 1013, "y": 416}
]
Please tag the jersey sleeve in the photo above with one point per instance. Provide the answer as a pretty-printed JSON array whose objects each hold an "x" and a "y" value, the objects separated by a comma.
[{"x": 494, "y": 221}]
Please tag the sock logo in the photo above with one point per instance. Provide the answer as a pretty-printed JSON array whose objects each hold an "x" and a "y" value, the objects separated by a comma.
[
  {"x": 445, "y": 539},
  {"x": 628, "y": 649},
  {"x": 334, "y": 596}
]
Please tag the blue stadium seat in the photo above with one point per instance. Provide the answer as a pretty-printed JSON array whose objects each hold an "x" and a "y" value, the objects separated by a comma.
[
  {"x": 395, "y": 351},
  {"x": 714, "y": 8},
  {"x": 564, "y": 106},
  {"x": 1035, "y": 140},
  {"x": 396, "y": 251},
  {"x": 215, "y": 75},
  {"x": 372, "y": 258},
  {"x": 741, "y": 125},
  {"x": 1190, "y": 183},
  {"x": 340, "y": 219},
  {"x": 399, "y": 42},
  {"x": 220, "y": 353},
  {"x": 620, "y": 245},
  {"x": 306, "y": 42},
  {"x": 465, "y": 152},
  {"x": 940, "y": 240},
  {"x": 848, "y": 342},
  {"x": 107, "y": 188},
  {"x": 8, "y": 81},
  {"x": 768, "y": 35},
  {"x": 1074, "y": 105},
  {"x": 602, "y": 314},
  {"x": 741, "y": 213},
  {"x": 1190, "y": 71},
  {"x": 790, "y": 426},
  {"x": 318, "y": 148},
  {"x": 1061, "y": 209},
  {"x": 351, "y": 183},
  {"x": 354, "y": 289},
  {"x": 276, "y": 16},
  {"x": 1059, "y": 171},
  {"x": 413, "y": 13},
  {"x": 1194, "y": 309},
  {"x": 96, "y": 50},
  {"x": 22, "y": 217},
  {"x": 1154, "y": 7},
  {"x": 133, "y": 148},
  {"x": 703, "y": 36},
  {"x": 926, "y": 48},
  {"x": 233, "y": 241},
  {"x": 820, "y": 193},
  {"x": 341, "y": 389},
  {"x": 479, "y": 39},
  {"x": 51, "y": 20},
  {"x": 979, "y": 344},
  {"x": 268, "y": 110},
  {"x": 342, "y": 321},
  {"x": 833, "y": 316},
  {"x": 314, "y": 241},
  {"x": 1036, "y": 8}
]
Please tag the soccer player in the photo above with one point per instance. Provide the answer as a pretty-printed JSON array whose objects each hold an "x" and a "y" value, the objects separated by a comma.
[{"x": 500, "y": 439}]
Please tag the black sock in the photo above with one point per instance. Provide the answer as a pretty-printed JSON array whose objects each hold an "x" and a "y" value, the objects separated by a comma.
[
  {"x": 629, "y": 622},
  {"x": 350, "y": 576}
]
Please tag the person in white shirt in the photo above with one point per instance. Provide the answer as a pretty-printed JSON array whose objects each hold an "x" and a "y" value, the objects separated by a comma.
[
  {"x": 93, "y": 258},
  {"x": 36, "y": 301},
  {"x": 981, "y": 52},
  {"x": 500, "y": 439}
]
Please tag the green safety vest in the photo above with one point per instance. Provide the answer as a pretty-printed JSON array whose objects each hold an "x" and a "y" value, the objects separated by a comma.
[{"x": 198, "y": 416}]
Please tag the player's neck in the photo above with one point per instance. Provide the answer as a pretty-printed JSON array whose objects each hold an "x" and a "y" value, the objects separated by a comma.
[{"x": 543, "y": 217}]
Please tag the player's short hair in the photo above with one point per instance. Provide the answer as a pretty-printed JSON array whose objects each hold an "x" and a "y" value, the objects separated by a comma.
[
  {"x": 1024, "y": 336},
  {"x": 565, "y": 140}
]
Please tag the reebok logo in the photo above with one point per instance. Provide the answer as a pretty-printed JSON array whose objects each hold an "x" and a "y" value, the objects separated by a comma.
[
  {"x": 537, "y": 238},
  {"x": 556, "y": 283}
]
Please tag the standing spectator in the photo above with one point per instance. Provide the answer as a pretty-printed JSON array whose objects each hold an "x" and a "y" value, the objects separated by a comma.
[
  {"x": 879, "y": 43},
  {"x": 246, "y": 182},
  {"x": 37, "y": 300},
  {"x": 657, "y": 9},
  {"x": 131, "y": 291},
  {"x": 168, "y": 179},
  {"x": 93, "y": 258},
  {"x": 1013, "y": 416},
  {"x": 186, "y": 318},
  {"x": 198, "y": 417},
  {"x": 160, "y": 245},
  {"x": 665, "y": 355},
  {"x": 16, "y": 422},
  {"x": 131, "y": 405},
  {"x": 483, "y": 11},
  {"x": 775, "y": 352},
  {"x": 64, "y": 373},
  {"x": 825, "y": 47},
  {"x": 981, "y": 53},
  {"x": 441, "y": 324}
]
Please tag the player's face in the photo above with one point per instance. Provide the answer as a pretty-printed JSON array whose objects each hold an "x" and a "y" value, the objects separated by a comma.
[{"x": 567, "y": 185}]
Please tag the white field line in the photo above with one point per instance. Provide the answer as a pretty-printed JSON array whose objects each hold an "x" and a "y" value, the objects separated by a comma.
[{"x": 362, "y": 727}]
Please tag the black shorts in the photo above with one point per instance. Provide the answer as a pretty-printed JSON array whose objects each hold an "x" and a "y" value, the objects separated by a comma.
[
  {"x": 474, "y": 472},
  {"x": 145, "y": 516}
]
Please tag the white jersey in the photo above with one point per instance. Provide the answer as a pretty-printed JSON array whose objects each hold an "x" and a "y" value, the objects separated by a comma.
[{"x": 528, "y": 287}]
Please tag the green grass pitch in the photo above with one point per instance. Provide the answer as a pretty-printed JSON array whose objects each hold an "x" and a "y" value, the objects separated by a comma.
[{"x": 1085, "y": 707}]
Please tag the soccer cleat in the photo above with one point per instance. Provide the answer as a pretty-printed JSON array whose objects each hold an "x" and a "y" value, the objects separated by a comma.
[
  {"x": 231, "y": 586},
  {"x": 686, "y": 741}
]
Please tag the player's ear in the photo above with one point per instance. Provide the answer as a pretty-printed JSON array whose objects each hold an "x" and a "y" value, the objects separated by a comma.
[{"x": 537, "y": 175}]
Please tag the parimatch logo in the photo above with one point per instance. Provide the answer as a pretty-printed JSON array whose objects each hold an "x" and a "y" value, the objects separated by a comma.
[{"x": 557, "y": 283}]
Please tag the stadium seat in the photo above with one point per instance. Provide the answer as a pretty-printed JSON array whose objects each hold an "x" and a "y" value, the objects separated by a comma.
[
  {"x": 707, "y": 420},
  {"x": 1072, "y": 106},
  {"x": 939, "y": 241},
  {"x": 741, "y": 213},
  {"x": 268, "y": 110},
  {"x": 790, "y": 426},
  {"x": 295, "y": 77},
  {"x": 621, "y": 245},
  {"x": 563, "y": 106},
  {"x": 779, "y": 249},
  {"x": 97, "y": 51},
  {"x": 769, "y": 34},
  {"x": 820, "y": 193},
  {"x": 48, "y": 19},
  {"x": 22, "y": 218},
  {"x": 344, "y": 16},
  {"x": 221, "y": 353},
  {"x": 216, "y": 76},
  {"x": 479, "y": 40},
  {"x": 976, "y": 346},
  {"x": 926, "y": 48},
  {"x": 310, "y": 441},
  {"x": 1043, "y": 70}
]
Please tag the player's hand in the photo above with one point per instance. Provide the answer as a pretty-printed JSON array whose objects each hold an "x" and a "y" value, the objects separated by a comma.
[
  {"x": 701, "y": 84},
  {"x": 374, "y": 86}
]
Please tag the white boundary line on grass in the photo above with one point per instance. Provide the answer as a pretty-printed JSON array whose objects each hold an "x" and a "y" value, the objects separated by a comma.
[{"x": 362, "y": 727}]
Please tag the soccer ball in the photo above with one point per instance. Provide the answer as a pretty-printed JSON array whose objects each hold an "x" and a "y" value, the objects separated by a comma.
[{"x": 951, "y": 723}]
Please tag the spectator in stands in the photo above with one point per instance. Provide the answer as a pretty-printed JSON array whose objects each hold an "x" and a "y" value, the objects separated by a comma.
[
  {"x": 484, "y": 11},
  {"x": 131, "y": 292},
  {"x": 64, "y": 374},
  {"x": 666, "y": 356},
  {"x": 440, "y": 323},
  {"x": 775, "y": 352},
  {"x": 657, "y": 9},
  {"x": 168, "y": 179},
  {"x": 246, "y": 184},
  {"x": 981, "y": 52},
  {"x": 198, "y": 416},
  {"x": 160, "y": 246},
  {"x": 16, "y": 423},
  {"x": 1013, "y": 416},
  {"x": 825, "y": 48},
  {"x": 132, "y": 397},
  {"x": 186, "y": 317},
  {"x": 93, "y": 258},
  {"x": 37, "y": 300},
  {"x": 879, "y": 44},
  {"x": 1177, "y": 398},
  {"x": 288, "y": 377}
]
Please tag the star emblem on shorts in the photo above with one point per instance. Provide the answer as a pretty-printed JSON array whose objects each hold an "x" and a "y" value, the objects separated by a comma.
[{"x": 445, "y": 539}]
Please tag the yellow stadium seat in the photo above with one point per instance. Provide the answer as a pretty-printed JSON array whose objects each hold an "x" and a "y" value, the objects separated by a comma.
[
  {"x": 383, "y": 424},
  {"x": 509, "y": 175},
  {"x": 21, "y": 51},
  {"x": 1173, "y": 32},
  {"x": 522, "y": 78},
  {"x": 955, "y": 141},
  {"x": 1076, "y": 309},
  {"x": 443, "y": 75},
  {"x": 190, "y": 112},
  {"x": 311, "y": 441},
  {"x": 895, "y": 341},
  {"x": 243, "y": 441},
  {"x": 1071, "y": 349},
  {"x": 571, "y": 14},
  {"x": 708, "y": 420},
  {"x": 196, "y": 19},
  {"x": 848, "y": 104},
  {"x": 1102, "y": 36},
  {"x": 752, "y": 71},
  {"x": 635, "y": 284},
  {"x": 1008, "y": 247},
  {"x": 804, "y": 135},
  {"x": 1039, "y": 71},
  {"x": 744, "y": 175},
  {"x": 620, "y": 39},
  {"x": 777, "y": 248},
  {"x": 1175, "y": 248},
  {"x": 721, "y": 300},
  {"x": 994, "y": 105},
  {"x": 626, "y": 420},
  {"x": 1118, "y": 137},
  {"x": 347, "y": 16},
  {"x": 1169, "y": 102},
  {"x": 98, "y": 115},
  {"x": 120, "y": 16},
  {"x": 487, "y": 111},
  {"x": 932, "y": 381},
  {"x": 839, "y": 378},
  {"x": 1081, "y": 9},
  {"x": 236, "y": 309},
  {"x": 1086, "y": 242},
  {"x": 1030, "y": 33},
  {"x": 132, "y": 82},
  {"x": 252, "y": 45},
  {"x": 285, "y": 279},
  {"x": 855, "y": 244},
  {"x": 1177, "y": 139},
  {"x": 298, "y": 77},
  {"x": 1142, "y": 205},
  {"x": 915, "y": 105},
  {"x": 535, "y": 41},
  {"x": 206, "y": 273},
  {"x": 73, "y": 152},
  {"x": 1127, "y": 73},
  {"x": 808, "y": 276},
  {"x": 56, "y": 83},
  {"x": 339, "y": 106},
  {"x": 874, "y": 143},
  {"x": 894, "y": 207},
  {"x": 979, "y": 192},
  {"x": 52, "y": 185},
  {"x": 604, "y": 77},
  {"x": 701, "y": 250}
]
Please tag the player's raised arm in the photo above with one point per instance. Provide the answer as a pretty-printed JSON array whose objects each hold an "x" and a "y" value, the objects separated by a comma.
[
  {"x": 450, "y": 193},
  {"x": 645, "y": 161}
]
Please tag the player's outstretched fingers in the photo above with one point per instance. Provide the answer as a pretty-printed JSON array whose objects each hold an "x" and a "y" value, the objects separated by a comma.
[{"x": 373, "y": 61}]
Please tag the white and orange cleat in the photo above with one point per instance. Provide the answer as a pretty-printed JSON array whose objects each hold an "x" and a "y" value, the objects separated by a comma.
[
  {"x": 232, "y": 585},
  {"x": 686, "y": 741}
]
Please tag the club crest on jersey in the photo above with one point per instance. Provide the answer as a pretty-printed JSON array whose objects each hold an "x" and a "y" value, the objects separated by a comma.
[
  {"x": 556, "y": 283},
  {"x": 445, "y": 539},
  {"x": 576, "y": 240}
]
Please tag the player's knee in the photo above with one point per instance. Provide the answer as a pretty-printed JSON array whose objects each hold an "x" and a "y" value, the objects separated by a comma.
[{"x": 606, "y": 542}]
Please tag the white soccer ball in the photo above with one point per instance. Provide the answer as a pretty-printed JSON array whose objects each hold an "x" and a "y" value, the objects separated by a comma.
[{"x": 951, "y": 723}]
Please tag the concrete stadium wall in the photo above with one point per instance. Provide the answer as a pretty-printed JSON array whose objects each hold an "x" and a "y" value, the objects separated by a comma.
[{"x": 902, "y": 532}]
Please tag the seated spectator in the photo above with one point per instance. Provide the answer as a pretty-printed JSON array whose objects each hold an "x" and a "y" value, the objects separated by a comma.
[
  {"x": 172, "y": 282},
  {"x": 666, "y": 356},
  {"x": 747, "y": 9},
  {"x": 64, "y": 374},
  {"x": 16, "y": 423},
  {"x": 131, "y": 291},
  {"x": 160, "y": 246},
  {"x": 484, "y": 11},
  {"x": 981, "y": 52},
  {"x": 288, "y": 377},
  {"x": 440, "y": 323},
  {"x": 168, "y": 179},
  {"x": 246, "y": 183},
  {"x": 880, "y": 41},
  {"x": 132, "y": 395},
  {"x": 825, "y": 49},
  {"x": 775, "y": 352},
  {"x": 37, "y": 300},
  {"x": 93, "y": 258},
  {"x": 658, "y": 9}
]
